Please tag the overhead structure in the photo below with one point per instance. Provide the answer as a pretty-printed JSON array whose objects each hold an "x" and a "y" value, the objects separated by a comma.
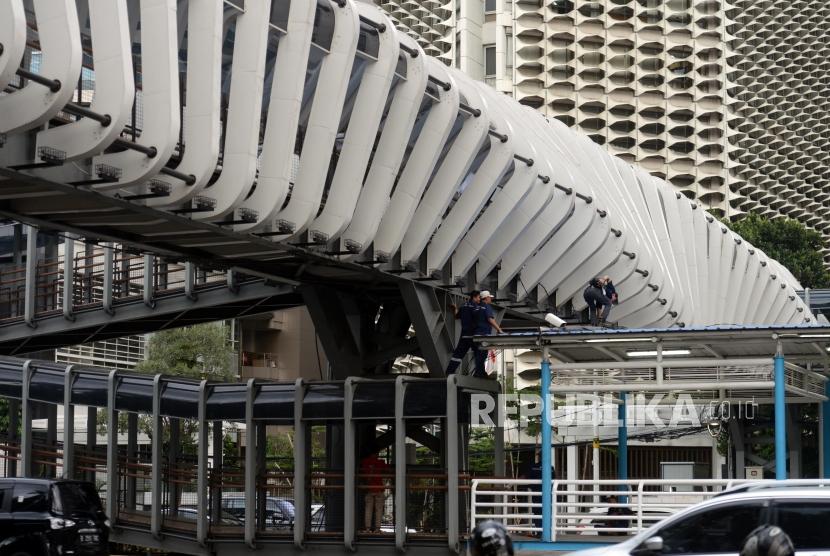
[{"x": 239, "y": 131}]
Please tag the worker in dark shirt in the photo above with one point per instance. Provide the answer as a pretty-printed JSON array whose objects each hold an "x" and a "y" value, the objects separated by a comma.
[
  {"x": 469, "y": 315},
  {"x": 486, "y": 323},
  {"x": 597, "y": 301}
]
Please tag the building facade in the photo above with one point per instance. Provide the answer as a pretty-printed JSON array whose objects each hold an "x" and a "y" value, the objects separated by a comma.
[{"x": 727, "y": 101}]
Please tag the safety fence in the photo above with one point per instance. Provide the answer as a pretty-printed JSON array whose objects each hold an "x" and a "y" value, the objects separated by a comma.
[{"x": 582, "y": 509}]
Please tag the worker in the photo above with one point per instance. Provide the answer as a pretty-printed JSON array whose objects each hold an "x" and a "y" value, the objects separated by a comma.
[
  {"x": 610, "y": 290},
  {"x": 490, "y": 538},
  {"x": 595, "y": 298},
  {"x": 469, "y": 315},
  {"x": 372, "y": 468},
  {"x": 486, "y": 323}
]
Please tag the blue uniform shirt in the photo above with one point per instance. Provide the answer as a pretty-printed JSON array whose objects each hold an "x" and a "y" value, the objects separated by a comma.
[
  {"x": 468, "y": 314},
  {"x": 485, "y": 314}
]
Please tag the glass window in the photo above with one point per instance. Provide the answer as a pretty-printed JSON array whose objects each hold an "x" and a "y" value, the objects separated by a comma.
[
  {"x": 30, "y": 498},
  {"x": 489, "y": 5},
  {"x": 806, "y": 523},
  {"x": 73, "y": 498},
  {"x": 508, "y": 57},
  {"x": 725, "y": 529},
  {"x": 489, "y": 60}
]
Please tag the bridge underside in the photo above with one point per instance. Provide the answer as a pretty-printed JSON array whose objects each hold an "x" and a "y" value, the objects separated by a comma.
[{"x": 169, "y": 481}]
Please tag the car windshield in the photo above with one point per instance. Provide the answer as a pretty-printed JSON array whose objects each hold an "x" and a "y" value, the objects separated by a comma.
[{"x": 75, "y": 498}]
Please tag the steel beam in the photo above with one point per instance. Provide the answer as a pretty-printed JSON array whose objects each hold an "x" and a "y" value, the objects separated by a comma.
[
  {"x": 189, "y": 281},
  {"x": 108, "y": 272},
  {"x": 112, "y": 448},
  {"x": 349, "y": 466},
  {"x": 155, "y": 459},
  {"x": 428, "y": 319},
  {"x": 400, "y": 464},
  {"x": 68, "y": 277},
  {"x": 26, "y": 436},
  {"x": 452, "y": 441},
  {"x": 30, "y": 291},
  {"x": 250, "y": 466},
  {"x": 68, "y": 425},
  {"x": 202, "y": 467},
  {"x": 148, "y": 283},
  {"x": 300, "y": 465}
]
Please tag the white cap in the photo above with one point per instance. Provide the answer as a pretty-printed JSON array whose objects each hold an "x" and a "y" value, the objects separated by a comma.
[{"x": 486, "y": 293}]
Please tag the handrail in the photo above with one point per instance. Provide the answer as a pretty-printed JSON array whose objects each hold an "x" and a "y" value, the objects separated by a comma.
[{"x": 575, "y": 504}]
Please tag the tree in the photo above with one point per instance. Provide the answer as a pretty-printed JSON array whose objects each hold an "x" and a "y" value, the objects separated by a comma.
[
  {"x": 199, "y": 351},
  {"x": 790, "y": 243}
]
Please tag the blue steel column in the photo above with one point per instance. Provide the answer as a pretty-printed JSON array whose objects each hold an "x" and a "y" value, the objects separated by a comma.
[
  {"x": 780, "y": 417},
  {"x": 825, "y": 432},
  {"x": 547, "y": 476},
  {"x": 622, "y": 440}
]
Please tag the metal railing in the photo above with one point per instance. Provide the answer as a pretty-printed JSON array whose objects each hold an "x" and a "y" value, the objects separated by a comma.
[{"x": 583, "y": 508}]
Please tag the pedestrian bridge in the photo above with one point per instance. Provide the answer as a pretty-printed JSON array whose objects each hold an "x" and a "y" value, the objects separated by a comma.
[{"x": 312, "y": 138}]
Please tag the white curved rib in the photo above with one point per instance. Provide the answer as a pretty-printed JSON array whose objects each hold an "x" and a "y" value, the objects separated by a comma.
[
  {"x": 60, "y": 46},
  {"x": 114, "y": 87}
]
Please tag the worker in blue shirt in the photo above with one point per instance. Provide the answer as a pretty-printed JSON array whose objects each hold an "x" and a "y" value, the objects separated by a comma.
[{"x": 469, "y": 315}]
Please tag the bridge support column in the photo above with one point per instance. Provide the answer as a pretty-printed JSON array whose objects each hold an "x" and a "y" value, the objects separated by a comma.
[
  {"x": 109, "y": 248},
  {"x": 451, "y": 443},
  {"x": 68, "y": 426},
  {"x": 547, "y": 475},
  {"x": 250, "y": 466},
  {"x": 400, "y": 464},
  {"x": 202, "y": 467},
  {"x": 429, "y": 320},
  {"x": 349, "y": 466},
  {"x": 155, "y": 490},
  {"x": 301, "y": 510},
  {"x": 30, "y": 291},
  {"x": 780, "y": 416},
  {"x": 26, "y": 418},
  {"x": 68, "y": 277},
  {"x": 112, "y": 449}
]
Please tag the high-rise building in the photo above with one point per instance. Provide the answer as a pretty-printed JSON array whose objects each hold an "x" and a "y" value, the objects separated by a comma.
[{"x": 726, "y": 100}]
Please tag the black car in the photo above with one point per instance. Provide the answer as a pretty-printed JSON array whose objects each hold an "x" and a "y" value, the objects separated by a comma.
[{"x": 51, "y": 517}]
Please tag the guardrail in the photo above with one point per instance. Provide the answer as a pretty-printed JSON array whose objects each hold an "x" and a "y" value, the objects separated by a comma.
[{"x": 583, "y": 508}]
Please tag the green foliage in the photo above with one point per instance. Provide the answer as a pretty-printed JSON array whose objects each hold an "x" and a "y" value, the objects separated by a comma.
[
  {"x": 199, "y": 351},
  {"x": 790, "y": 243}
]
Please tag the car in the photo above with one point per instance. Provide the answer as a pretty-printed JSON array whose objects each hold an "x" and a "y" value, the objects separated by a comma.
[
  {"x": 52, "y": 517},
  {"x": 190, "y": 513},
  {"x": 279, "y": 512},
  {"x": 720, "y": 525}
]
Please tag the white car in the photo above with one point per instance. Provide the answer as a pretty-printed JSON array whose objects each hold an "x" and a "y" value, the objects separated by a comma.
[{"x": 720, "y": 525}]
